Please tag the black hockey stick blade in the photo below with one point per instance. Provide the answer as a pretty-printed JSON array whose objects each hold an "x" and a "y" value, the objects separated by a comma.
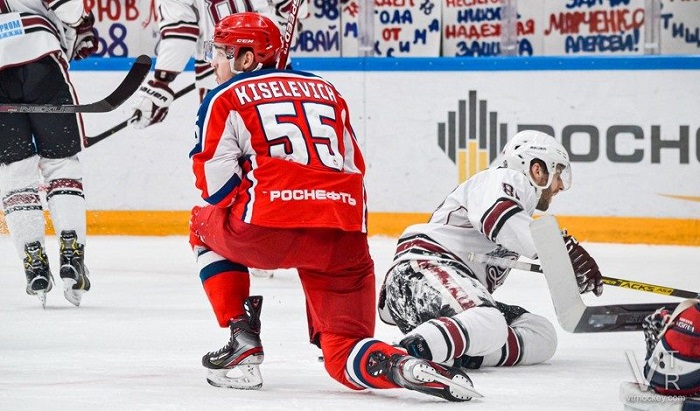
[
  {"x": 96, "y": 139},
  {"x": 572, "y": 313},
  {"x": 622, "y": 317},
  {"x": 128, "y": 86}
]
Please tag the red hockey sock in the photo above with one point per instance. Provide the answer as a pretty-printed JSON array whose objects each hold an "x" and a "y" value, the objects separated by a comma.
[{"x": 226, "y": 292}]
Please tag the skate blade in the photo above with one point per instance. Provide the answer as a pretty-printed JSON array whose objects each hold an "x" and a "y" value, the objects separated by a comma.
[
  {"x": 256, "y": 272},
  {"x": 249, "y": 379},
  {"x": 460, "y": 387},
  {"x": 42, "y": 297},
  {"x": 73, "y": 296}
]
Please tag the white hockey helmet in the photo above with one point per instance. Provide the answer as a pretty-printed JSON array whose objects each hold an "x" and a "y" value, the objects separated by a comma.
[
  {"x": 529, "y": 145},
  {"x": 520, "y": 138}
]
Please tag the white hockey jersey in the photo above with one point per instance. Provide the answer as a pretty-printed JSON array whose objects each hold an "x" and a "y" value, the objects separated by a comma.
[
  {"x": 184, "y": 27},
  {"x": 488, "y": 214},
  {"x": 32, "y": 29}
]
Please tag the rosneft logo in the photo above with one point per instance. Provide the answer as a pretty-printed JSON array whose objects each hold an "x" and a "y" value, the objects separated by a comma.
[{"x": 472, "y": 137}]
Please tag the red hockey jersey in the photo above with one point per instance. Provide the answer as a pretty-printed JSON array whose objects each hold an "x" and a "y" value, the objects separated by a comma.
[{"x": 277, "y": 146}]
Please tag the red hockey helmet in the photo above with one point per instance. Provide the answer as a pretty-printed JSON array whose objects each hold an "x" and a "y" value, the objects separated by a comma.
[{"x": 251, "y": 30}]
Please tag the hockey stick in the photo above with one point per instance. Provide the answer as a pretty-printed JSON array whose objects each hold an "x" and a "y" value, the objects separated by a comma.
[
  {"x": 128, "y": 86},
  {"x": 96, "y": 139},
  {"x": 288, "y": 34},
  {"x": 572, "y": 313},
  {"x": 612, "y": 281}
]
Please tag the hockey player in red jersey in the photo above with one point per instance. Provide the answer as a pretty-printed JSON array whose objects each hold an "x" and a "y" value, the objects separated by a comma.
[
  {"x": 38, "y": 39},
  {"x": 278, "y": 162},
  {"x": 443, "y": 301}
]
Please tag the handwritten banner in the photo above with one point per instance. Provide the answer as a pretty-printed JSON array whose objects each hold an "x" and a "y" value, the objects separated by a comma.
[
  {"x": 680, "y": 27},
  {"x": 474, "y": 28},
  {"x": 126, "y": 28},
  {"x": 409, "y": 28},
  {"x": 350, "y": 27},
  {"x": 468, "y": 28},
  {"x": 320, "y": 30},
  {"x": 579, "y": 27}
]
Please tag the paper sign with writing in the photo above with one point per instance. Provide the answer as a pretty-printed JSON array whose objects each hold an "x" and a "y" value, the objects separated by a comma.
[
  {"x": 473, "y": 28},
  {"x": 588, "y": 27}
]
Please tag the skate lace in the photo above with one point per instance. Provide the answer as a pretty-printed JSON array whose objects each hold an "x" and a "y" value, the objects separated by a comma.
[
  {"x": 35, "y": 261},
  {"x": 230, "y": 346},
  {"x": 70, "y": 249},
  {"x": 226, "y": 348}
]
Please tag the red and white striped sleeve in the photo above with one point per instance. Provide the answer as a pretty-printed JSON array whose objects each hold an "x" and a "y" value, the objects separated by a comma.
[{"x": 215, "y": 157}]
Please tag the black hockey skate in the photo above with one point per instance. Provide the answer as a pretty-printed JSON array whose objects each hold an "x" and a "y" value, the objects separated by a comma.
[
  {"x": 423, "y": 376},
  {"x": 73, "y": 271},
  {"x": 237, "y": 364},
  {"x": 36, "y": 268}
]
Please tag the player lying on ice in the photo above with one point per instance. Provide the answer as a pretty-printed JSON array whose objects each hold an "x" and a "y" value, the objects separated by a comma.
[
  {"x": 443, "y": 302},
  {"x": 278, "y": 162}
]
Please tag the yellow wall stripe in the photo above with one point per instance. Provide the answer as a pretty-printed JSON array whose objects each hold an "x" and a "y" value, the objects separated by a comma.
[{"x": 631, "y": 230}]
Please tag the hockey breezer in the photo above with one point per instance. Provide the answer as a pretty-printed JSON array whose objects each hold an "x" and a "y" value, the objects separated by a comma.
[
  {"x": 572, "y": 313},
  {"x": 128, "y": 86}
]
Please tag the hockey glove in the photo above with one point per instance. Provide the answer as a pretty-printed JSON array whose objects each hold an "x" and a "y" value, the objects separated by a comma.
[
  {"x": 652, "y": 326},
  {"x": 85, "y": 38},
  {"x": 586, "y": 269},
  {"x": 196, "y": 243},
  {"x": 152, "y": 103}
]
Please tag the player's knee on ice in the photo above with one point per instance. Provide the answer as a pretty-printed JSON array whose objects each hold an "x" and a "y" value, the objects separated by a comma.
[{"x": 538, "y": 338}]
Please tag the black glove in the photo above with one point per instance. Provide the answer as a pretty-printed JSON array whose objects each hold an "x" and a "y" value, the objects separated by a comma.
[
  {"x": 586, "y": 269},
  {"x": 86, "y": 38},
  {"x": 652, "y": 326}
]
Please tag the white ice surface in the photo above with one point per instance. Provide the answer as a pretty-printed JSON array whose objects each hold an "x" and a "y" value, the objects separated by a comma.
[{"x": 136, "y": 341}]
